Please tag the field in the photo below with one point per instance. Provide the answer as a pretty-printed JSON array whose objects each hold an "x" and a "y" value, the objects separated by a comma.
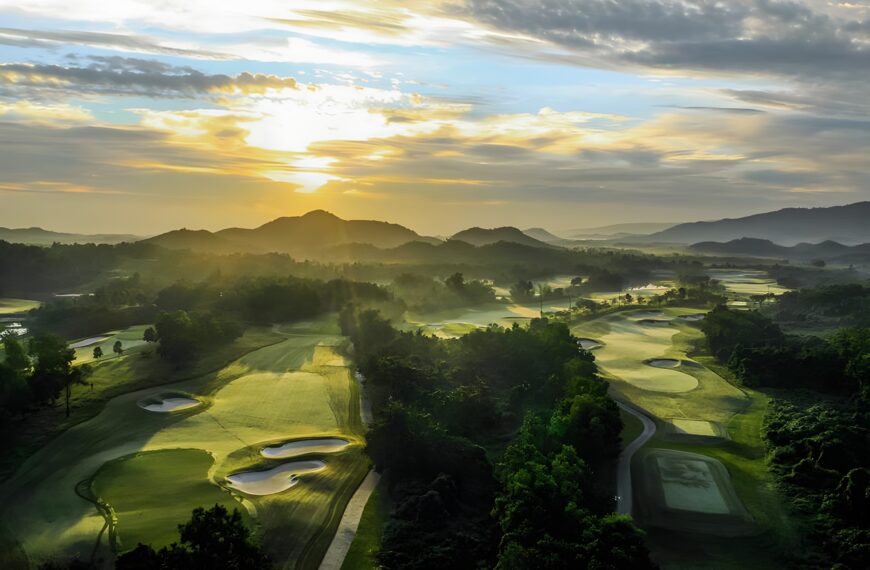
[
  {"x": 454, "y": 323},
  {"x": 130, "y": 338},
  {"x": 15, "y": 306},
  {"x": 717, "y": 423},
  {"x": 747, "y": 281},
  {"x": 298, "y": 388}
]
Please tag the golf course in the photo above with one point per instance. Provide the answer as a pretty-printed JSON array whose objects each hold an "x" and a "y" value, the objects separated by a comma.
[
  {"x": 696, "y": 474},
  {"x": 275, "y": 433}
]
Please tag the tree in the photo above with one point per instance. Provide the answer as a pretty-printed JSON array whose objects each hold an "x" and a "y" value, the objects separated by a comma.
[
  {"x": 150, "y": 335},
  {"x": 98, "y": 352},
  {"x": 53, "y": 372},
  {"x": 455, "y": 282},
  {"x": 522, "y": 291},
  {"x": 118, "y": 348},
  {"x": 212, "y": 539}
]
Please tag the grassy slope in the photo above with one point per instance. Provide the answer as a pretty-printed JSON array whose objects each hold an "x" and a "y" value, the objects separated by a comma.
[
  {"x": 296, "y": 388},
  {"x": 370, "y": 532},
  {"x": 137, "y": 369}
]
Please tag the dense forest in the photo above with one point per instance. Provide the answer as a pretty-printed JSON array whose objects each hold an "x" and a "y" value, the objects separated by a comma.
[
  {"x": 471, "y": 489},
  {"x": 818, "y": 426}
]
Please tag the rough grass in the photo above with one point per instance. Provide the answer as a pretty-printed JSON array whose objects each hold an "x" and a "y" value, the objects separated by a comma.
[
  {"x": 13, "y": 306},
  {"x": 631, "y": 427},
  {"x": 297, "y": 388},
  {"x": 370, "y": 532}
]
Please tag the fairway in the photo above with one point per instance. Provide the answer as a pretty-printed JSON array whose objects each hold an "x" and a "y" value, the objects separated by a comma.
[
  {"x": 130, "y": 338},
  {"x": 455, "y": 323},
  {"x": 152, "y": 493},
  {"x": 298, "y": 388},
  {"x": 695, "y": 427},
  {"x": 14, "y": 306},
  {"x": 747, "y": 281}
]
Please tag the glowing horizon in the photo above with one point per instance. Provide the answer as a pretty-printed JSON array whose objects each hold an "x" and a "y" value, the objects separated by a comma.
[{"x": 139, "y": 117}]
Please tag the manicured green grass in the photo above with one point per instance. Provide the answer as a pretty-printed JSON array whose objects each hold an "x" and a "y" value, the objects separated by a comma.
[
  {"x": 299, "y": 387},
  {"x": 152, "y": 493},
  {"x": 12, "y": 306},
  {"x": 369, "y": 533}
]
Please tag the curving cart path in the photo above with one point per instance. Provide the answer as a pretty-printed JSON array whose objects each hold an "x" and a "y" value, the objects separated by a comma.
[
  {"x": 624, "y": 501},
  {"x": 344, "y": 535}
]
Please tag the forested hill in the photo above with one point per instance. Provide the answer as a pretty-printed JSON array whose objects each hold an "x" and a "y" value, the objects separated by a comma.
[
  {"x": 789, "y": 226},
  {"x": 481, "y": 236},
  {"x": 301, "y": 236}
]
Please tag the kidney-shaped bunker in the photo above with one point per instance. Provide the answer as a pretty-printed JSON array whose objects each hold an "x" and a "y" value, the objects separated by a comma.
[
  {"x": 273, "y": 480},
  {"x": 302, "y": 446},
  {"x": 663, "y": 362},
  {"x": 168, "y": 403}
]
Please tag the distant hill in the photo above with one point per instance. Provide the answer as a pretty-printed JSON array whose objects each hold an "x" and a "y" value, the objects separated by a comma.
[
  {"x": 829, "y": 251},
  {"x": 844, "y": 224},
  {"x": 481, "y": 236},
  {"x": 617, "y": 231},
  {"x": 39, "y": 236},
  {"x": 195, "y": 240},
  {"x": 299, "y": 236},
  {"x": 543, "y": 235}
]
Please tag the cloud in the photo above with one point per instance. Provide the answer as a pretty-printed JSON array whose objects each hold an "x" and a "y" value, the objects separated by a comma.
[
  {"x": 787, "y": 39},
  {"x": 123, "y": 42},
  {"x": 135, "y": 77}
]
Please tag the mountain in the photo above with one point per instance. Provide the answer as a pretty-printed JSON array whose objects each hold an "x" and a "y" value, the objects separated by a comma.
[
  {"x": 617, "y": 231},
  {"x": 39, "y": 236},
  {"x": 543, "y": 235},
  {"x": 829, "y": 251},
  {"x": 482, "y": 236},
  {"x": 790, "y": 226},
  {"x": 300, "y": 236},
  {"x": 195, "y": 240}
]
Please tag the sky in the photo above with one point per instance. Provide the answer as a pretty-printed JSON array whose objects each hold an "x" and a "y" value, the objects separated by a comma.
[{"x": 142, "y": 116}]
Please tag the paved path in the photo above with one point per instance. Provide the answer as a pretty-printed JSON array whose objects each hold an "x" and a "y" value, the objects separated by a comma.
[
  {"x": 623, "y": 478},
  {"x": 344, "y": 535},
  {"x": 346, "y": 532}
]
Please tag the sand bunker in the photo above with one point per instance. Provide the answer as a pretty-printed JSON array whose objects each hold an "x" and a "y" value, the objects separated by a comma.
[
  {"x": 300, "y": 447},
  {"x": 693, "y": 318},
  {"x": 654, "y": 322},
  {"x": 273, "y": 480},
  {"x": 664, "y": 362},
  {"x": 589, "y": 344},
  {"x": 170, "y": 404}
]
